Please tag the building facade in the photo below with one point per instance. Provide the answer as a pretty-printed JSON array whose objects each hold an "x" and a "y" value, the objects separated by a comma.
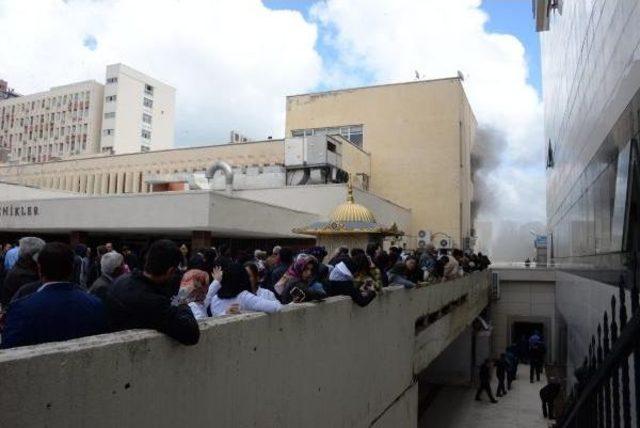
[
  {"x": 138, "y": 112},
  {"x": 62, "y": 122},
  {"x": 591, "y": 89},
  {"x": 419, "y": 135},
  {"x": 592, "y": 119},
  {"x": 132, "y": 113}
]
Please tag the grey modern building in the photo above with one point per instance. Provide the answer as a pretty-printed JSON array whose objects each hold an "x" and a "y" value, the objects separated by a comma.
[{"x": 591, "y": 89}]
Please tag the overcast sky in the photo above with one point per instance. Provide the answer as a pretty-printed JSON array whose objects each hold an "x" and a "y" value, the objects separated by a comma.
[{"x": 233, "y": 61}]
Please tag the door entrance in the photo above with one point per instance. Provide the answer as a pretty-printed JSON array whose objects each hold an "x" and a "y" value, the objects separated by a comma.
[{"x": 520, "y": 333}]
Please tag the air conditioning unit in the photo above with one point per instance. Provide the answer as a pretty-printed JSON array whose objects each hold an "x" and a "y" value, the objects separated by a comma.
[
  {"x": 445, "y": 243},
  {"x": 424, "y": 237}
]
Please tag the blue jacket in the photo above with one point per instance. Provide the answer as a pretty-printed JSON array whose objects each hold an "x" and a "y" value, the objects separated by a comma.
[{"x": 60, "y": 311}]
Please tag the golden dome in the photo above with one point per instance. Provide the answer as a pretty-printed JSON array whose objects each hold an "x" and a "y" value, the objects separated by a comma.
[{"x": 350, "y": 211}]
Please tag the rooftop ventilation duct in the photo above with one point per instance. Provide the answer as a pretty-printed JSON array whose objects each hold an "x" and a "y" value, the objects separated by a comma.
[{"x": 226, "y": 170}]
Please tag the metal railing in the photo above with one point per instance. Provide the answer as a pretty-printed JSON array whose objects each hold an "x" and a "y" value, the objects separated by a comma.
[{"x": 602, "y": 397}]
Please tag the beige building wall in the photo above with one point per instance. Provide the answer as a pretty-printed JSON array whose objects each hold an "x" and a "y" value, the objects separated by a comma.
[
  {"x": 126, "y": 173},
  {"x": 419, "y": 136}
]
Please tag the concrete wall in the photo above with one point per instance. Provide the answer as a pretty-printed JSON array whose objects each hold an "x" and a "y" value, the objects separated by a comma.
[
  {"x": 355, "y": 161},
  {"x": 526, "y": 295},
  {"x": 419, "y": 135},
  {"x": 454, "y": 366},
  {"x": 330, "y": 364}
]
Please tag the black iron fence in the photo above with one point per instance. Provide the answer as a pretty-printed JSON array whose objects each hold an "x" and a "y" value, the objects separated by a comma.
[{"x": 604, "y": 391}]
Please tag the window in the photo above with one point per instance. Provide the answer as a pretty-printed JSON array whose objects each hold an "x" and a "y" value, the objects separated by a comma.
[
  {"x": 146, "y": 118},
  {"x": 145, "y": 134},
  {"x": 148, "y": 89},
  {"x": 353, "y": 133},
  {"x": 111, "y": 98},
  {"x": 147, "y": 102},
  {"x": 107, "y": 132},
  {"x": 110, "y": 115},
  {"x": 112, "y": 80}
]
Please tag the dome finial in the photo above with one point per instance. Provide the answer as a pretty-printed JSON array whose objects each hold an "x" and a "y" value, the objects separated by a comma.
[{"x": 350, "y": 191}]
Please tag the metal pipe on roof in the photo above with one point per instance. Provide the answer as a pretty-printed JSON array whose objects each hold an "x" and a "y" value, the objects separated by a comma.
[{"x": 226, "y": 170}]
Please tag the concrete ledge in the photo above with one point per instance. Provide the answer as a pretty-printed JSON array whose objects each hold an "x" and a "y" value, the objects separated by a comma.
[
  {"x": 326, "y": 364},
  {"x": 515, "y": 274}
]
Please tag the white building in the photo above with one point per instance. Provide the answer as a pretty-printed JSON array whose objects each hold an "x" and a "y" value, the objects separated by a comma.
[
  {"x": 138, "y": 112},
  {"x": 69, "y": 120},
  {"x": 61, "y": 122}
]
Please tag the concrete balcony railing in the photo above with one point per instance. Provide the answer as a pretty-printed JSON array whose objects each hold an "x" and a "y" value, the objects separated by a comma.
[{"x": 330, "y": 364}]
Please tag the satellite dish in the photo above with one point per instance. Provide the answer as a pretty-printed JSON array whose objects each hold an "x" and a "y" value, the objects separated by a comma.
[{"x": 460, "y": 75}]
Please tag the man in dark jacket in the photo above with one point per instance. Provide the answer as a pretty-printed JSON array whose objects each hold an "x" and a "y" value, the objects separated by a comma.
[
  {"x": 536, "y": 356},
  {"x": 111, "y": 266},
  {"x": 143, "y": 299},
  {"x": 502, "y": 368},
  {"x": 548, "y": 395},
  {"x": 59, "y": 310},
  {"x": 24, "y": 271},
  {"x": 485, "y": 381}
]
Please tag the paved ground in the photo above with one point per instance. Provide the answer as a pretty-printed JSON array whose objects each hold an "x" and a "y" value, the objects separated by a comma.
[{"x": 455, "y": 407}]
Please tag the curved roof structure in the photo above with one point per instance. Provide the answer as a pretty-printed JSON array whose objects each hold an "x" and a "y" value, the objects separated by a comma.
[{"x": 349, "y": 218}]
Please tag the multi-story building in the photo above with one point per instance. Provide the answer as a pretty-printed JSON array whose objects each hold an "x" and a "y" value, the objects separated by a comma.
[
  {"x": 61, "y": 122},
  {"x": 138, "y": 113},
  {"x": 419, "y": 134},
  {"x": 69, "y": 121},
  {"x": 591, "y": 89}
]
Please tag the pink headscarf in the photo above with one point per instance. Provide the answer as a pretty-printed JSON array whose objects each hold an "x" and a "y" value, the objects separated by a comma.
[
  {"x": 296, "y": 269},
  {"x": 194, "y": 286}
]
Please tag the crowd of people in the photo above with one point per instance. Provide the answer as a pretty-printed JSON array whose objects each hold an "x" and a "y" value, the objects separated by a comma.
[{"x": 51, "y": 292}]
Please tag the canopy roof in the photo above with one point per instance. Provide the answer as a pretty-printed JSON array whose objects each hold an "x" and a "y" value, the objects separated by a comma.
[{"x": 349, "y": 218}]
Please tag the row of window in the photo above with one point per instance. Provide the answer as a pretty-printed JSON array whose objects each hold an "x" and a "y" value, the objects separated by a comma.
[
  {"x": 46, "y": 103},
  {"x": 57, "y": 117},
  {"x": 56, "y": 149},
  {"x": 353, "y": 133},
  {"x": 145, "y": 101},
  {"x": 44, "y": 134}
]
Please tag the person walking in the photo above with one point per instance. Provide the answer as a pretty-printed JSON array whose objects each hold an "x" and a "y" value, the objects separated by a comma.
[
  {"x": 485, "y": 381},
  {"x": 536, "y": 360},
  {"x": 502, "y": 368},
  {"x": 548, "y": 394}
]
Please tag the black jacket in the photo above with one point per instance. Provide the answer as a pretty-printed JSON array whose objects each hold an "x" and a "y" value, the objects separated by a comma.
[
  {"x": 133, "y": 301},
  {"x": 102, "y": 282},
  {"x": 485, "y": 374},
  {"x": 502, "y": 366},
  {"x": 23, "y": 272},
  {"x": 27, "y": 290}
]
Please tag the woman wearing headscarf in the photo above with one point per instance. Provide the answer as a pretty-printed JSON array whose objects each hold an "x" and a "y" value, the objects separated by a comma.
[
  {"x": 194, "y": 288},
  {"x": 343, "y": 280},
  {"x": 297, "y": 283},
  {"x": 236, "y": 294}
]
